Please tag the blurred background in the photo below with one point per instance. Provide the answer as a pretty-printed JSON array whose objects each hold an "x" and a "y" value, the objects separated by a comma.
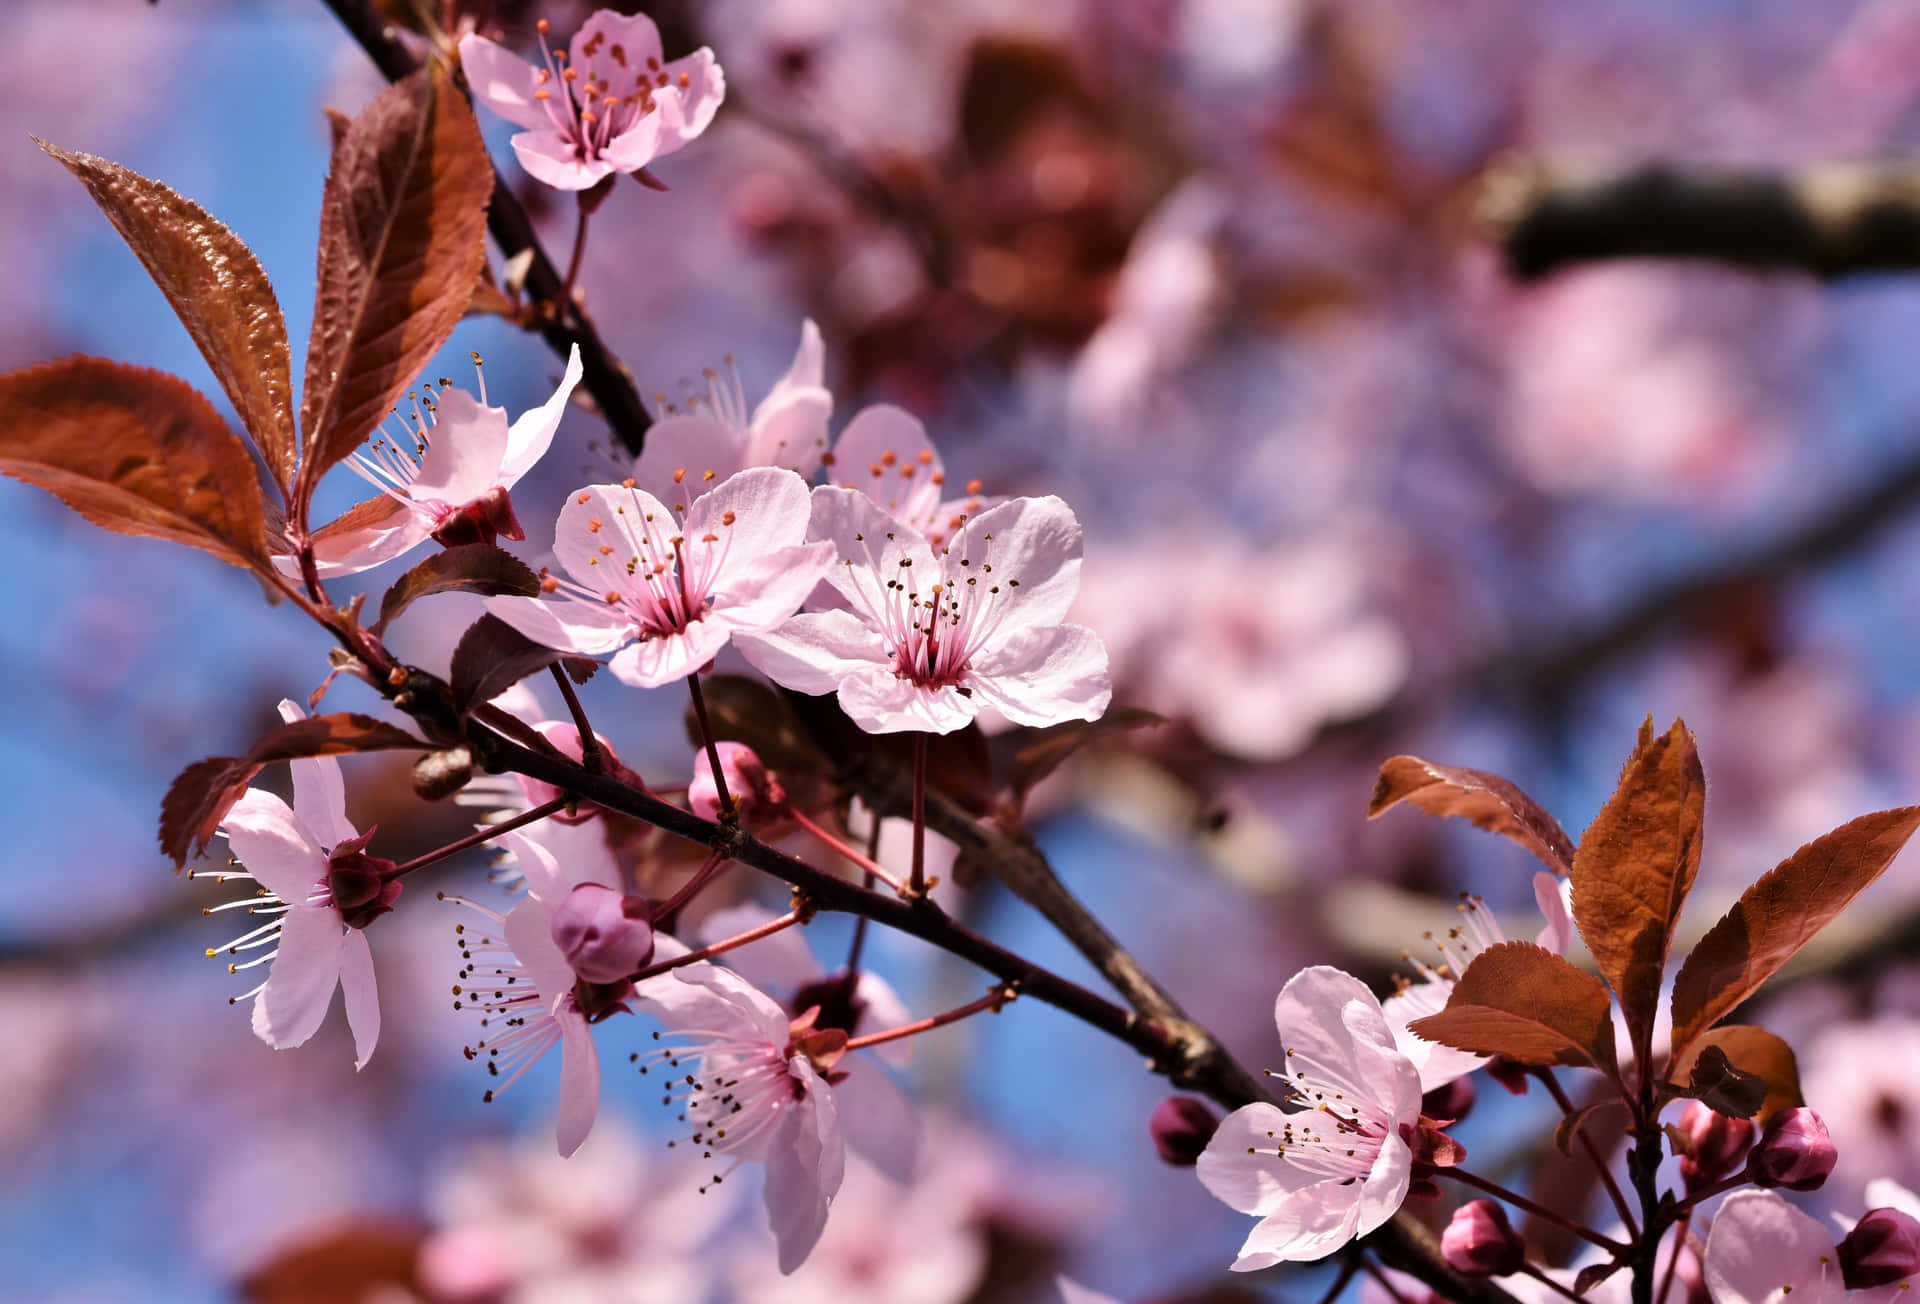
[{"x": 1236, "y": 278}]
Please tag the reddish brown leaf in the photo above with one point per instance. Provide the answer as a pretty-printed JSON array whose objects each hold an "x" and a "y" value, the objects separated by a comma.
[
  {"x": 1634, "y": 867},
  {"x": 1489, "y": 801},
  {"x": 1043, "y": 751},
  {"x": 1749, "y": 1050},
  {"x": 205, "y": 791},
  {"x": 402, "y": 242},
  {"x": 1571, "y": 1125},
  {"x": 217, "y": 287},
  {"x": 136, "y": 451},
  {"x": 470, "y": 568},
  {"x": 493, "y": 656},
  {"x": 1523, "y": 1001},
  {"x": 1779, "y": 914}
]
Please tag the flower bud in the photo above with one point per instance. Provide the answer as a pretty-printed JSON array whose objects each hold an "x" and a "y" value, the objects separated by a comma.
[
  {"x": 756, "y": 793},
  {"x": 606, "y": 937},
  {"x": 1794, "y": 1151},
  {"x": 1714, "y": 1144},
  {"x": 1882, "y": 1248},
  {"x": 1449, "y": 1102},
  {"x": 1181, "y": 1128},
  {"x": 1480, "y": 1242},
  {"x": 566, "y": 740}
]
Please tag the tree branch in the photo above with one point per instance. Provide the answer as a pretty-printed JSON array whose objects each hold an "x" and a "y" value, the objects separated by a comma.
[{"x": 1830, "y": 221}]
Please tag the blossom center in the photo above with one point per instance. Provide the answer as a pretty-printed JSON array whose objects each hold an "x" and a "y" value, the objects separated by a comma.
[
  {"x": 603, "y": 97},
  {"x": 932, "y": 633},
  {"x": 1339, "y": 1136},
  {"x": 660, "y": 576}
]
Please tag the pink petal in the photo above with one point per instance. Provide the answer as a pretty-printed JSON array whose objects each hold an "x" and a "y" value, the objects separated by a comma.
[
  {"x": 790, "y": 430},
  {"x": 530, "y": 436},
  {"x": 529, "y": 931},
  {"x": 1250, "y": 1183},
  {"x": 717, "y": 999},
  {"x": 636, "y": 36},
  {"x": 694, "y": 443},
  {"x": 805, "y": 1165},
  {"x": 502, "y": 81},
  {"x": 652, "y": 662},
  {"x": 1760, "y": 1243},
  {"x": 1550, "y": 891},
  {"x": 351, "y": 551},
  {"x": 301, "y": 980},
  {"x": 873, "y": 542},
  {"x": 1312, "y": 1225},
  {"x": 264, "y": 835},
  {"x": 815, "y": 652},
  {"x": 545, "y": 882},
  {"x": 599, "y": 516},
  {"x": 782, "y": 962},
  {"x": 638, "y": 145},
  {"x": 357, "y": 991},
  {"x": 1333, "y": 1018},
  {"x": 686, "y": 111},
  {"x": 1385, "y": 1188},
  {"x": 761, "y": 595},
  {"x": 1035, "y": 541},
  {"x": 576, "y": 854},
  {"x": 465, "y": 450},
  {"x": 879, "y": 701},
  {"x": 860, "y": 461},
  {"x": 579, "y": 1078},
  {"x": 884, "y": 1009},
  {"x": 771, "y": 509},
  {"x": 549, "y": 158},
  {"x": 565, "y": 624},
  {"x": 1044, "y": 676},
  {"x": 319, "y": 791},
  {"x": 879, "y": 1121}
]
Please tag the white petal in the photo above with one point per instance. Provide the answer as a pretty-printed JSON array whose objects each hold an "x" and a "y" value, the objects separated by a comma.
[
  {"x": 796, "y": 1202},
  {"x": 870, "y": 547},
  {"x": 690, "y": 442},
  {"x": 579, "y": 1079},
  {"x": 770, "y": 509},
  {"x": 357, "y": 992},
  {"x": 529, "y": 931},
  {"x": 565, "y": 624},
  {"x": 319, "y": 791},
  {"x": 264, "y": 835},
  {"x": 1311, "y": 1225},
  {"x": 532, "y": 434},
  {"x": 301, "y": 980},
  {"x": 1035, "y": 541},
  {"x": 761, "y": 596},
  {"x": 652, "y": 662},
  {"x": 1553, "y": 894},
  {"x": 1257, "y": 1182},
  {"x": 879, "y": 445},
  {"x": 1044, "y": 676},
  {"x": 502, "y": 81},
  {"x": 465, "y": 450},
  {"x": 879, "y": 701},
  {"x": 1760, "y": 1243},
  {"x": 815, "y": 652}
]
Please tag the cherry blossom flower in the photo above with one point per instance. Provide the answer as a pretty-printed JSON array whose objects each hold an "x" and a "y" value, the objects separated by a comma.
[
  {"x": 932, "y": 635},
  {"x": 534, "y": 972},
  {"x": 884, "y": 452},
  {"x": 447, "y": 478},
  {"x": 1320, "y": 1177},
  {"x": 714, "y": 436},
  {"x": 318, "y": 889},
  {"x": 755, "y": 1086},
  {"x": 664, "y": 589},
  {"x": 1437, "y": 972},
  {"x": 1763, "y": 1250},
  {"x": 605, "y": 105}
]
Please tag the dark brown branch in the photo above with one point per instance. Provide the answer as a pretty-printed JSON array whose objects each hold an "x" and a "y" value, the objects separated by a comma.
[
  {"x": 1836, "y": 220},
  {"x": 604, "y": 375}
]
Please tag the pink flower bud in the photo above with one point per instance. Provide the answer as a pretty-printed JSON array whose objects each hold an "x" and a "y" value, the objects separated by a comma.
[
  {"x": 1882, "y": 1248},
  {"x": 606, "y": 937},
  {"x": 1715, "y": 1144},
  {"x": 1181, "y": 1128},
  {"x": 1449, "y": 1102},
  {"x": 1480, "y": 1242},
  {"x": 753, "y": 787},
  {"x": 1794, "y": 1151}
]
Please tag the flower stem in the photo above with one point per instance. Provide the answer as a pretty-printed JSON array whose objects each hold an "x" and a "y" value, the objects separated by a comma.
[
  {"x": 826, "y": 835},
  {"x": 721, "y": 947},
  {"x": 917, "y": 884},
  {"x": 713, "y": 752},
  {"x": 590, "y": 755},
  {"x": 573, "y": 264},
  {"x": 1519, "y": 1201},
  {"x": 1673, "y": 1260},
  {"x": 1619, "y": 1198},
  {"x": 993, "y": 1000},
  {"x": 701, "y": 877},
  {"x": 475, "y": 838}
]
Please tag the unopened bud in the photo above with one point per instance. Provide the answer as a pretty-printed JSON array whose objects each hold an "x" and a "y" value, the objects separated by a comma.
[
  {"x": 566, "y": 740},
  {"x": 1882, "y": 1248},
  {"x": 1794, "y": 1151},
  {"x": 1181, "y": 1128},
  {"x": 605, "y": 936},
  {"x": 1449, "y": 1102},
  {"x": 442, "y": 773},
  {"x": 756, "y": 793},
  {"x": 1480, "y": 1242},
  {"x": 1713, "y": 1144}
]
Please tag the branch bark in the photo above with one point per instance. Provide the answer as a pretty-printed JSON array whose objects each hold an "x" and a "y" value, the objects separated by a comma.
[{"x": 1830, "y": 221}]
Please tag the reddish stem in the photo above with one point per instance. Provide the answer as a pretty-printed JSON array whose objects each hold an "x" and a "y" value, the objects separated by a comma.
[
  {"x": 917, "y": 884},
  {"x": 713, "y": 752},
  {"x": 475, "y": 838},
  {"x": 839, "y": 845},
  {"x": 1519, "y": 1201},
  {"x": 1593, "y": 1152},
  {"x": 566, "y": 303},
  {"x": 721, "y": 947},
  {"x": 993, "y": 1000},
  {"x": 590, "y": 755},
  {"x": 1673, "y": 1262},
  {"x": 701, "y": 877}
]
